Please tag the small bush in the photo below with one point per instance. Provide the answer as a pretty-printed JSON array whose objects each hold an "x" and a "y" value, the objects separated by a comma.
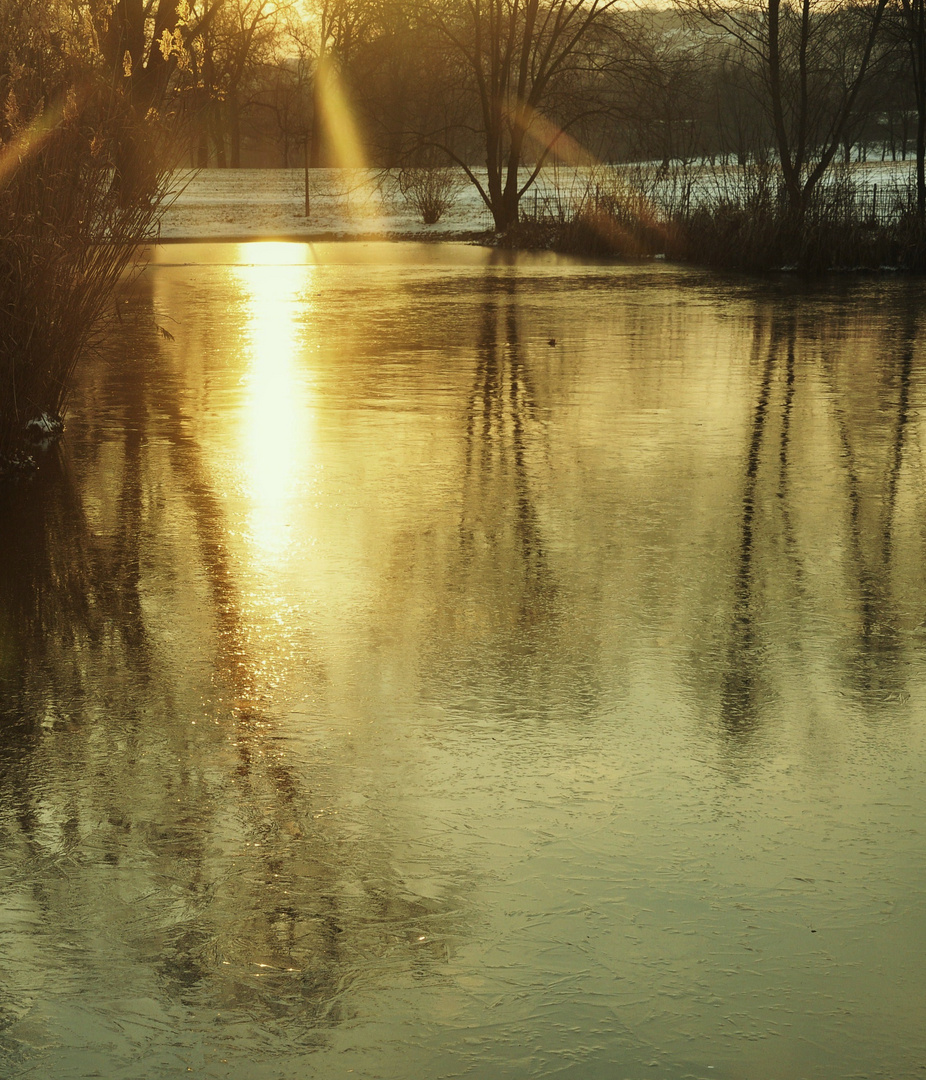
[{"x": 430, "y": 191}]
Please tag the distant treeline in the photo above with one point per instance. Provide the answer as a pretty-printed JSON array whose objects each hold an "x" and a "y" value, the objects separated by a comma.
[
  {"x": 666, "y": 84},
  {"x": 255, "y": 80}
]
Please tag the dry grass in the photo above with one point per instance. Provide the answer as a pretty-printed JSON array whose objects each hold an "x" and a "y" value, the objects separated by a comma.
[{"x": 732, "y": 220}]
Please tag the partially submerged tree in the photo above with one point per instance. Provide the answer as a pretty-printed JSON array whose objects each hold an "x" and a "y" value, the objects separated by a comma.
[{"x": 517, "y": 56}]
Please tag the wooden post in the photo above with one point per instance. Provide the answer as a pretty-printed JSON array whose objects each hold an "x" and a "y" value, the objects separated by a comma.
[{"x": 308, "y": 205}]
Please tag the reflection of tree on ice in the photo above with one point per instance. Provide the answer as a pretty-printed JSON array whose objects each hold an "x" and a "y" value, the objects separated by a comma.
[
  {"x": 879, "y": 646},
  {"x": 503, "y": 634},
  {"x": 873, "y": 663},
  {"x": 499, "y": 530}
]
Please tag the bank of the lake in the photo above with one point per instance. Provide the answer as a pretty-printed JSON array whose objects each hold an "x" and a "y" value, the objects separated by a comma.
[{"x": 723, "y": 217}]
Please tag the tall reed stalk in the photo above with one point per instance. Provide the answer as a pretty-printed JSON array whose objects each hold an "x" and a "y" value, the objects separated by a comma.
[
  {"x": 737, "y": 219},
  {"x": 67, "y": 234}
]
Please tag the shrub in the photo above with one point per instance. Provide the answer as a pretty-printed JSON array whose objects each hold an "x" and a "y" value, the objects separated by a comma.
[
  {"x": 740, "y": 219},
  {"x": 430, "y": 191},
  {"x": 69, "y": 221},
  {"x": 66, "y": 237}
]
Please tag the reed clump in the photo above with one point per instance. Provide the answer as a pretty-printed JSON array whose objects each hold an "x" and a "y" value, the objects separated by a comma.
[
  {"x": 741, "y": 220},
  {"x": 602, "y": 216},
  {"x": 69, "y": 228},
  {"x": 757, "y": 230},
  {"x": 621, "y": 220}
]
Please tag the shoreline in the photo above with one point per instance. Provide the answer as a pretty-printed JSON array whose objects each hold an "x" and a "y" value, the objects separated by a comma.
[
  {"x": 267, "y": 206},
  {"x": 503, "y": 242},
  {"x": 329, "y": 237}
]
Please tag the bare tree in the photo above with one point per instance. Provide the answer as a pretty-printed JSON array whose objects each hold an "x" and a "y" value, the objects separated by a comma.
[
  {"x": 248, "y": 36},
  {"x": 914, "y": 12},
  {"x": 136, "y": 44},
  {"x": 660, "y": 82},
  {"x": 812, "y": 57},
  {"x": 280, "y": 105},
  {"x": 403, "y": 87},
  {"x": 227, "y": 42},
  {"x": 147, "y": 49},
  {"x": 741, "y": 126},
  {"x": 516, "y": 54}
]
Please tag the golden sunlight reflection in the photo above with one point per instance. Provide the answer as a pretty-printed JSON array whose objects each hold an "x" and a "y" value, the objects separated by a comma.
[{"x": 276, "y": 422}]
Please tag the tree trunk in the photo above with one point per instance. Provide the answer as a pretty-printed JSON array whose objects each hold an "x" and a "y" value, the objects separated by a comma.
[
  {"x": 921, "y": 163},
  {"x": 234, "y": 130},
  {"x": 318, "y": 106}
]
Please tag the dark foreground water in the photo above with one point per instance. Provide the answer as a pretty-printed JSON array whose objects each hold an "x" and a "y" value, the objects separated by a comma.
[{"x": 388, "y": 691}]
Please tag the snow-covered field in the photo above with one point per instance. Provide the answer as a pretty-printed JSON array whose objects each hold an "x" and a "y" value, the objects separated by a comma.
[{"x": 271, "y": 203}]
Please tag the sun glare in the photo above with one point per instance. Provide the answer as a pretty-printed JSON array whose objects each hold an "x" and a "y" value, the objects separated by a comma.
[
  {"x": 26, "y": 142},
  {"x": 343, "y": 137},
  {"x": 276, "y": 425}
]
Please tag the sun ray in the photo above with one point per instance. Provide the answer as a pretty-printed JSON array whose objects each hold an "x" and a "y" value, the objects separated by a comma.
[
  {"x": 545, "y": 134},
  {"x": 28, "y": 141},
  {"x": 344, "y": 140}
]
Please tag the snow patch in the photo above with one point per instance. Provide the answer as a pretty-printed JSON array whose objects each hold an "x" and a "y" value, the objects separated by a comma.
[{"x": 45, "y": 424}]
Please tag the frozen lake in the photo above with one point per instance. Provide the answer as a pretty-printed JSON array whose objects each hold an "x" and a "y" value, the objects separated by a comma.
[{"x": 425, "y": 661}]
